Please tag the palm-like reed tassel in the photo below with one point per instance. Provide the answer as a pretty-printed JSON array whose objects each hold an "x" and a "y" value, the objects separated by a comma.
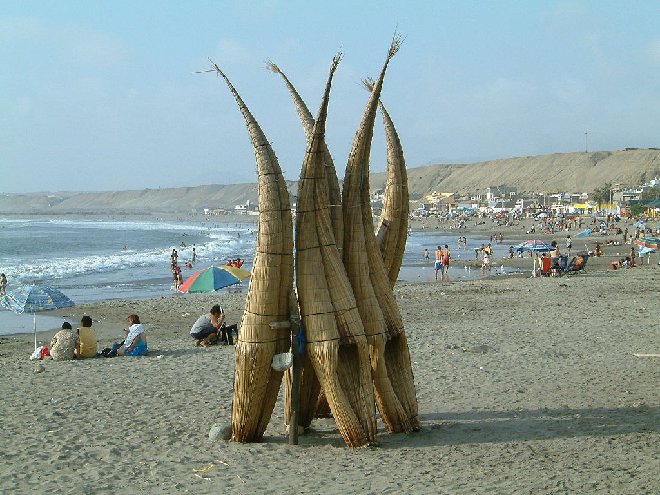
[
  {"x": 336, "y": 343},
  {"x": 394, "y": 387},
  {"x": 256, "y": 384},
  {"x": 392, "y": 231}
]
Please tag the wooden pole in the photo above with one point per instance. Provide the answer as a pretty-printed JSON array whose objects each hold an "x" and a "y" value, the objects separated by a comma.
[
  {"x": 295, "y": 385},
  {"x": 296, "y": 329}
]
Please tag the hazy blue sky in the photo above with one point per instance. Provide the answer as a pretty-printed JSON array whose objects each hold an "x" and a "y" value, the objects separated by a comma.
[{"x": 101, "y": 95}]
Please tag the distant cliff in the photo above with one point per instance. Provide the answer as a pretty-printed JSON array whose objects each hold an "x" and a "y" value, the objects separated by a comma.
[{"x": 569, "y": 172}]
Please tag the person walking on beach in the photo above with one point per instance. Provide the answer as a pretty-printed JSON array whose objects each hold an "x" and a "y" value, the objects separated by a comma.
[
  {"x": 3, "y": 284},
  {"x": 446, "y": 255},
  {"x": 438, "y": 261},
  {"x": 426, "y": 256},
  {"x": 177, "y": 278},
  {"x": 569, "y": 245},
  {"x": 485, "y": 265}
]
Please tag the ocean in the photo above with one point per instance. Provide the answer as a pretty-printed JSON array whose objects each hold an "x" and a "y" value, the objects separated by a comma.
[{"x": 91, "y": 260}]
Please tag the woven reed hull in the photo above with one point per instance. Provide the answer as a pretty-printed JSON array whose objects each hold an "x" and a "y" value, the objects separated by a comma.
[
  {"x": 334, "y": 199},
  {"x": 393, "y": 377},
  {"x": 322, "y": 406},
  {"x": 399, "y": 369},
  {"x": 272, "y": 276},
  {"x": 325, "y": 357},
  {"x": 396, "y": 207},
  {"x": 345, "y": 383},
  {"x": 355, "y": 378},
  {"x": 366, "y": 270},
  {"x": 308, "y": 393},
  {"x": 397, "y": 392},
  {"x": 333, "y": 190},
  {"x": 256, "y": 384}
]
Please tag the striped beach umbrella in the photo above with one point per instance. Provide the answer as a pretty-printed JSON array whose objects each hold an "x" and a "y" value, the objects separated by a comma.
[
  {"x": 214, "y": 278},
  {"x": 648, "y": 242}
]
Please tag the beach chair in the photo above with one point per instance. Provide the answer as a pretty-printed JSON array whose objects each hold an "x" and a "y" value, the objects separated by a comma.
[
  {"x": 569, "y": 266},
  {"x": 576, "y": 265},
  {"x": 561, "y": 265}
]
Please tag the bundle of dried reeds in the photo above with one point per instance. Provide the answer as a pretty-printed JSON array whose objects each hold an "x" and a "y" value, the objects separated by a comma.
[
  {"x": 334, "y": 192},
  {"x": 395, "y": 389},
  {"x": 392, "y": 232},
  {"x": 256, "y": 384},
  {"x": 336, "y": 343}
]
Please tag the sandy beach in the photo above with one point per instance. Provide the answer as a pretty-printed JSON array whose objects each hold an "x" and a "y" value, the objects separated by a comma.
[{"x": 525, "y": 385}]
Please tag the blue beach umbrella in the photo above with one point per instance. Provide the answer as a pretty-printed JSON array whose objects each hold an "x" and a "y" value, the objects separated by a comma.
[
  {"x": 33, "y": 299},
  {"x": 533, "y": 245}
]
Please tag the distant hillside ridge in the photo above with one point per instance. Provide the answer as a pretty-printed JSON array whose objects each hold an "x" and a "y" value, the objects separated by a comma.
[
  {"x": 566, "y": 172},
  {"x": 559, "y": 172}
]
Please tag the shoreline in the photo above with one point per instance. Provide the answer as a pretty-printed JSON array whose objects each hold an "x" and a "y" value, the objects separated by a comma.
[{"x": 421, "y": 272}]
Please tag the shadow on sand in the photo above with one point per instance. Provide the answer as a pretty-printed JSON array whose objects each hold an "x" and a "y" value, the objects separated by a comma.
[{"x": 476, "y": 427}]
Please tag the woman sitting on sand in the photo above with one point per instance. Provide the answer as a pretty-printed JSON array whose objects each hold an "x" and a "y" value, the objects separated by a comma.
[
  {"x": 135, "y": 343},
  {"x": 86, "y": 346},
  {"x": 63, "y": 344}
]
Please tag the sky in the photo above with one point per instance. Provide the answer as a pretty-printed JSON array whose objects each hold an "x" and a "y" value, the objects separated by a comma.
[{"x": 103, "y": 95}]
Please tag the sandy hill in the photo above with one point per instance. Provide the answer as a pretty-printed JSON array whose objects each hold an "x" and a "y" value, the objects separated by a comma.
[{"x": 569, "y": 172}]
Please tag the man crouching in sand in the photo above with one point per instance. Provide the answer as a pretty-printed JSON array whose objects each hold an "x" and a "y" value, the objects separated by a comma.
[{"x": 211, "y": 327}]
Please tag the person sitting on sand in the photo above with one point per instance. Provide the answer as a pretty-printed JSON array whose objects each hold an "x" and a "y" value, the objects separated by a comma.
[
  {"x": 211, "y": 327},
  {"x": 615, "y": 265},
  {"x": 63, "y": 344},
  {"x": 86, "y": 346},
  {"x": 579, "y": 261},
  {"x": 135, "y": 343},
  {"x": 598, "y": 251}
]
